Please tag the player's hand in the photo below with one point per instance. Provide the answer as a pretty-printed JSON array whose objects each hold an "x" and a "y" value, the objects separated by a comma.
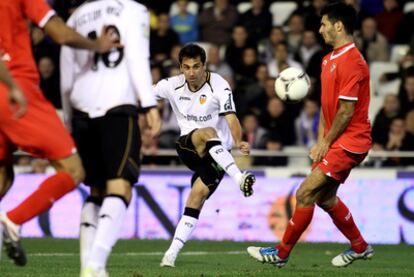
[
  {"x": 319, "y": 151},
  {"x": 244, "y": 147},
  {"x": 17, "y": 101},
  {"x": 107, "y": 40},
  {"x": 153, "y": 121}
]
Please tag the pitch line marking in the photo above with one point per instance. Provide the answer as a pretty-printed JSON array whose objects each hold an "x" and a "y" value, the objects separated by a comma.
[{"x": 187, "y": 253}]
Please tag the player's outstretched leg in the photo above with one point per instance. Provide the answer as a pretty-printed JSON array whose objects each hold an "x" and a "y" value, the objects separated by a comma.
[
  {"x": 348, "y": 256},
  {"x": 11, "y": 240},
  {"x": 220, "y": 155},
  {"x": 267, "y": 255}
]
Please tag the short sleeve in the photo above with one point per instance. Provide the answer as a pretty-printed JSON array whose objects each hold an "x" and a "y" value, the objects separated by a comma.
[
  {"x": 225, "y": 97},
  {"x": 350, "y": 83},
  {"x": 161, "y": 89},
  {"x": 38, "y": 11}
]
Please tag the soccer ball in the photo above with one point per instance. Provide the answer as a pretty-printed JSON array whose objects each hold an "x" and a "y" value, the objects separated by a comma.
[{"x": 292, "y": 85}]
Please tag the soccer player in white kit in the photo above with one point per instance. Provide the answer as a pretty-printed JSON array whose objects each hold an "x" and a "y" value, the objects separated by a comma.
[
  {"x": 100, "y": 95},
  {"x": 203, "y": 104}
]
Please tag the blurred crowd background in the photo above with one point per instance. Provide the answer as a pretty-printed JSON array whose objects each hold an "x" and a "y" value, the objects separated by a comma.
[{"x": 249, "y": 43}]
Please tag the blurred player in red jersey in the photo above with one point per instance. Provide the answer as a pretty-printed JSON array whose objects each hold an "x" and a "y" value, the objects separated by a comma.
[
  {"x": 17, "y": 100},
  {"x": 37, "y": 129},
  {"x": 343, "y": 142}
]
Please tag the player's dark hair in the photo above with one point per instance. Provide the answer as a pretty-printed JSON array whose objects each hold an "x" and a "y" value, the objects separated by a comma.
[
  {"x": 192, "y": 51},
  {"x": 339, "y": 11}
]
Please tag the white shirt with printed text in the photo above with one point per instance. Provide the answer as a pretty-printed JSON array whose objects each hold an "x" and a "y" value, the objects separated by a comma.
[{"x": 203, "y": 108}]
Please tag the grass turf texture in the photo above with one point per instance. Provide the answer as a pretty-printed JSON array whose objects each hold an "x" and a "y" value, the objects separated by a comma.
[{"x": 49, "y": 257}]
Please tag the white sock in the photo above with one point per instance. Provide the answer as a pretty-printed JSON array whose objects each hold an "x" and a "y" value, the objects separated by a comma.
[
  {"x": 88, "y": 226},
  {"x": 225, "y": 160},
  {"x": 183, "y": 232},
  {"x": 111, "y": 219}
]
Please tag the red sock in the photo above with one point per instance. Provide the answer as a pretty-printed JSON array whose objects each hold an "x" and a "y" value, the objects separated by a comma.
[
  {"x": 297, "y": 225},
  {"x": 342, "y": 218},
  {"x": 51, "y": 190}
]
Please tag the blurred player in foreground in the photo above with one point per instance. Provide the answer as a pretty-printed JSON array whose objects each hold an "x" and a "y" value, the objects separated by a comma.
[
  {"x": 101, "y": 97},
  {"x": 38, "y": 131}
]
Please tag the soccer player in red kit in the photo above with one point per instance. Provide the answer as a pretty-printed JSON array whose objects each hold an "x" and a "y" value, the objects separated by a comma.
[
  {"x": 38, "y": 131},
  {"x": 343, "y": 142}
]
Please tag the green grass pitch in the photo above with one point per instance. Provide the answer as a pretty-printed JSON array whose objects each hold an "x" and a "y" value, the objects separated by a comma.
[{"x": 133, "y": 258}]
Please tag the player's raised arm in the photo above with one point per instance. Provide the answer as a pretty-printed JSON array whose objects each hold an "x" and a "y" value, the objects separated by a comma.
[
  {"x": 40, "y": 13},
  {"x": 64, "y": 35},
  {"x": 16, "y": 96}
]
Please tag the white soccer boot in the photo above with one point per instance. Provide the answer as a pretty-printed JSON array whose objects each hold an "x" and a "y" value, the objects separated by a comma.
[
  {"x": 168, "y": 260},
  {"x": 348, "y": 256},
  {"x": 268, "y": 255}
]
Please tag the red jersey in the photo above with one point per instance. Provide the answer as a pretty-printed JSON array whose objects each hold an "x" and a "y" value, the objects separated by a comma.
[
  {"x": 15, "y": 47},
  {"x": 345, "y": 75}
]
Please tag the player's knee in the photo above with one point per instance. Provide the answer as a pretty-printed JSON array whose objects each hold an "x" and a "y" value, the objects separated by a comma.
[
  {"x": 77, "y": 173},
  {"x": 71, "y": 165},
  {"x": 327, "y": 204},
  {"x": 304, "y": 197},
  {"x": 209, "y": 133},
  {"x": 121, "y": 188}
]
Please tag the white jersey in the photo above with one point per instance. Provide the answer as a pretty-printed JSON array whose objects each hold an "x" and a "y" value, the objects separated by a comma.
[
  {"x": 205, "y": 107},
  {"x": 94, "y": 83}
]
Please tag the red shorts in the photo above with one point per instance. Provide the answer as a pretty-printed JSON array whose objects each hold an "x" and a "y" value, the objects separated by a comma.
[
  {"x": 39, "y": 132},
  {"x": 338, "y": 163}
]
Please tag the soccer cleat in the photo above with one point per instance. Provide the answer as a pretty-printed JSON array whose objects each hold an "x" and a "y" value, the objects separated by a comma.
[
  {"x": 90, "y": 272},
  {"x": 266, "y": 255},
  {"x": 11, "y": 240},
  {"x": 246, "y": 183},
  {"x": 168, "y": 260},
  {"x": 348, "y": 256}
]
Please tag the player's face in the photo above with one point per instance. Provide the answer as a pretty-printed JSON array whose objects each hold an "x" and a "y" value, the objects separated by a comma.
[
  {"x": 327, "y": 31},
  {"x": 193, "y": 70}
]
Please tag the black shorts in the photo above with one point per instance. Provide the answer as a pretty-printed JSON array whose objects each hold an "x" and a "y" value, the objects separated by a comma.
[
  {"x": 206, "y": 168},
  {"x": 109, "y": 146}
]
